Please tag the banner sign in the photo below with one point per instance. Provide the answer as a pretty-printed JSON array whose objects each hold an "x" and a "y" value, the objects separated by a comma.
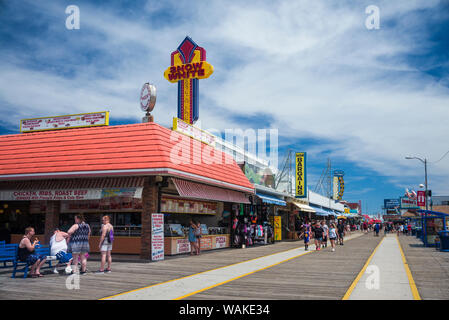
[
  {"x": 157, "y": 236},
  {"x": 335, "y": 188},
  {"x": 421, "y": 202},
  {"x": 407, "y": 203},
  {"x": 301, "y": 175},
  {"x": 71, "y": 121},
  {"x": 69, "y": 194},
  {"x": 193, "y": 132},
  {"x": 391, "y": 203}
]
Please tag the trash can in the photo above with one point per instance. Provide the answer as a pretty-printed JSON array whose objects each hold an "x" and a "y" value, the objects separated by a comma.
[
  {"x": 418, "y": 232},
  {"x": 444, "y": 240}
]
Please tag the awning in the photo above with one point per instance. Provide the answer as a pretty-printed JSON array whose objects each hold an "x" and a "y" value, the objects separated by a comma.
[
  {"x": 329, "y": 211},
  {"x": 195, "y": 190},
  {"x": 271, "y": 199},
  {"x": 320, "y": 212},
  {"x": 303, "y": 207}
]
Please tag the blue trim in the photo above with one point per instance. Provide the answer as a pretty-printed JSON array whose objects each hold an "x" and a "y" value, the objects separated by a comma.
[
  {"x": 180, "y": 115},
  {"x": 195, "y": 98},
  {"x": 270, "y": 199},
  {"x": 191, "y": 53},
  {"x": 319, "y": 211}
]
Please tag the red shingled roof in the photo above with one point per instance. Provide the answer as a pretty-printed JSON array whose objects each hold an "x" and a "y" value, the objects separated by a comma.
[{"x": 125, "y": 150}]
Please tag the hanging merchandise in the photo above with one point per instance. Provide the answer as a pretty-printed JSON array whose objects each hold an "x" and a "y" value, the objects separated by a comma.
[
  {"x": 235, "y": 223},
  {"x": 254, "y": 219},
  {"x": 241, "y": 209}
]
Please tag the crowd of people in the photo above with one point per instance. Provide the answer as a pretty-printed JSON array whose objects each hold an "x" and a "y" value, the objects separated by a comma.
[
  {"x": 321, "y": 232},
  {"x": 70, "y": 248}
]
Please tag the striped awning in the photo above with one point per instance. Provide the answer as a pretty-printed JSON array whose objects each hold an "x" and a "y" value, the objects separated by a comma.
[
  {"x": 195, "y": 190},
  {"x": 303, "y": 207},
  {"x": 271, "y": 199},
  {"x": 320, "y": 212}
]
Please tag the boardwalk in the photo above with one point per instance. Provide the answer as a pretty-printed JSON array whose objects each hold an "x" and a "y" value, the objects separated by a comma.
[
  {"x": 430, "y": 268},
  {"x": 287, "y": 274}
]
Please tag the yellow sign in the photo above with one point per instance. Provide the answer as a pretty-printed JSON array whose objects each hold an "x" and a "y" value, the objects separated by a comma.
[
  {"x": 198, "y": 70},
  {"x": 300, "y": 175},
  {"x": 346, "y": 210},
  {"x": 277, "y": 227}
]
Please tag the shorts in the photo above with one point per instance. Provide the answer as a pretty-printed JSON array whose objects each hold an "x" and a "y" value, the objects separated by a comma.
[
  {"x": 341, "y": 234},
  {"x": 319, "y": 239},
  {"x": 63, "y": 257},
  {"x": 78, "y": 247},
  {"x": 333, "y": 238},
  {"x": 106, "y": 246},
  {"x": 325, "y": 239},
  {"x": 306, "y": 239},
  {"x": 32, "y": 259}
]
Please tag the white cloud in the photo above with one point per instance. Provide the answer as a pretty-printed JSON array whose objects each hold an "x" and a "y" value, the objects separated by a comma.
[{"x": 311, "y": 65}]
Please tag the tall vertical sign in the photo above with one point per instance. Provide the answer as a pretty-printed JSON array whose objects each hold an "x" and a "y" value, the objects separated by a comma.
[
  {"x": 157, "y": 236},
  {"x": 300, "y": 175},
  {"x": 421, "y": 198},
  {"x": 188, "y": 64}
]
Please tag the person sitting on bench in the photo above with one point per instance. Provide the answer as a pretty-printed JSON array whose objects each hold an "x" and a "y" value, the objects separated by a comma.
[
  {"x": 26, "y": 253},
  {"x": 58, "y": 248}
]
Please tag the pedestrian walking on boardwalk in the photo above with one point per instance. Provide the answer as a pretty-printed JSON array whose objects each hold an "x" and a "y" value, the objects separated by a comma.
[
  {"x": 306, "y": 232},
  {"x": 78, "y": 244},
  {"x": 318, "y": 235},
  {"x": 325, "y": 233},
  {"x": 341, "y": 231},
  {"x": 333, "y": 236}
]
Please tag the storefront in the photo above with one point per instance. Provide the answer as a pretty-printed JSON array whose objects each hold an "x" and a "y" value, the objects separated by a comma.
[
  {"x": 127, "y": 172},
  {"x": 301, "y": 213}
]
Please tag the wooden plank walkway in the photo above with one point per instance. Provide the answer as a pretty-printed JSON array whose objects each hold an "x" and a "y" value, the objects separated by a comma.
[
  {"x": 133, "y": 275},
  {"x": 429, "y": 267},
  {"x": 318, "y": 276}
]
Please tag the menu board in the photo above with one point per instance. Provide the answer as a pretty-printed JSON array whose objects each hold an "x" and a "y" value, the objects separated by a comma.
[
  {"x": 206, "y": 243},
  {"x": 157, "y": 236},
  {"x": 178, "y": 205}
]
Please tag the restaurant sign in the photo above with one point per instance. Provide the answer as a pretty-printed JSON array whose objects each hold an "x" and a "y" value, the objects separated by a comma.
[
  {"x": 407, "y": 203},
  {"x": 71, "y": 121},
  {"x": 188, "y": 65},
  {"x": 69, "y": 194}
]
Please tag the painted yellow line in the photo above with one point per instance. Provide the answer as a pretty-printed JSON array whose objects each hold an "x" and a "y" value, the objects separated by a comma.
[
  {"x": 411, "y": 281},
  {"x": 241, "y": 276},
  {"x": 352, "y": 287}
]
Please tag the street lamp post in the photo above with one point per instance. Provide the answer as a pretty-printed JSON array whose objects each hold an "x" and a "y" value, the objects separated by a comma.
[{"x": 426, "y": 196}]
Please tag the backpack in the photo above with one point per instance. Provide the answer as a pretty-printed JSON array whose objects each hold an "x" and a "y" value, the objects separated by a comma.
[{"x": 111, "y": 236}]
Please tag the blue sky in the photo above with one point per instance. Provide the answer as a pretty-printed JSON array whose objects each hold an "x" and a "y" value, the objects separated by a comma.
[{"x": 310, "y": 69}]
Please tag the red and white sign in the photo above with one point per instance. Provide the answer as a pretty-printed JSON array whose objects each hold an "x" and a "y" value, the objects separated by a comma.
[
  {"x": 65, "y": 122},
  {"x": 157, "y": 236},
  {"x": 182, "y": 246},
  {"x": 421, "y": 199},
  {"x": 220, "y": 242}
]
